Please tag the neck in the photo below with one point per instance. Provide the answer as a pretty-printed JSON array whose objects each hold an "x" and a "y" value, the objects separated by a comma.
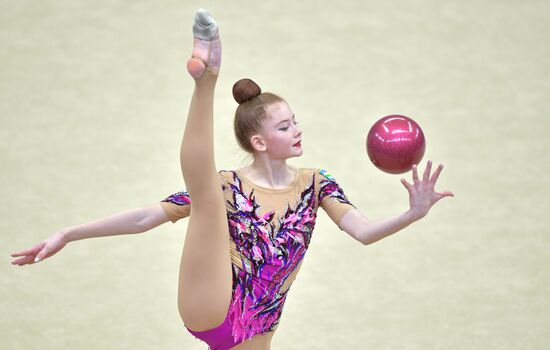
[{"x": 270, "y": 172}]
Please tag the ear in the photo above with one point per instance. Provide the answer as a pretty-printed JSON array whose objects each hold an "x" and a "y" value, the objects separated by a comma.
[{"x": 257, "y": 142}]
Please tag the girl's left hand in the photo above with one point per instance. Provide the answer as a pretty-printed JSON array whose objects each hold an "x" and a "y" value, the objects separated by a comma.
[{"x": 422, "y": 194}]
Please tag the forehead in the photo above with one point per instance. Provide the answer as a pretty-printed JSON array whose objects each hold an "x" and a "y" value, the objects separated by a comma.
[{"x": 278, "y": 111}]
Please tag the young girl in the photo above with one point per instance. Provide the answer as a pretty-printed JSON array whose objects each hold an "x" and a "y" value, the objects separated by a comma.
[{"x": 249, "y": 228}]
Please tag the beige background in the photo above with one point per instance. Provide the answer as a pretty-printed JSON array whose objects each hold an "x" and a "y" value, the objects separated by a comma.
[{"x": 94, "y": 97}]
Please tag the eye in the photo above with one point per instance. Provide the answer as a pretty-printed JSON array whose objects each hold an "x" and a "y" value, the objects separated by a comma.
[{"x": 284, "y": 129}]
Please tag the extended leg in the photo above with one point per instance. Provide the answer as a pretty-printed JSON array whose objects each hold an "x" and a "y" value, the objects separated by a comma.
[{"x": 205, "y": 277}]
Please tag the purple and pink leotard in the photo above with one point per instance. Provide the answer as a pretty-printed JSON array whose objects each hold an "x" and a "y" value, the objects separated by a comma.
[{"x": 270, "y": 230}]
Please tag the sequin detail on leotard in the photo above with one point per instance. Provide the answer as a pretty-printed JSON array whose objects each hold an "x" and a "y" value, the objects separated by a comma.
[
  {"x": 179, "y": 198},
  {"x": 270, "y": 253},
  {"x": 329, "y": 187},
  {"x": 269, "y": 246}
]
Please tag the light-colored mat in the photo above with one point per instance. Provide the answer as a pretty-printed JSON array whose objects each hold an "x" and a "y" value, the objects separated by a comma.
[{"x": 93, "y": 102}]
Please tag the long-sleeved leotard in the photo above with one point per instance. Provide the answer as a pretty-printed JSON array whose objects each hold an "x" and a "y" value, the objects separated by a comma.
[{"x": 270, "y": 231}]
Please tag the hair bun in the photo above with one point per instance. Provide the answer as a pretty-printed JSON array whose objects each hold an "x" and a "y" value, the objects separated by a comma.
[{"x": 245, "y": 89}]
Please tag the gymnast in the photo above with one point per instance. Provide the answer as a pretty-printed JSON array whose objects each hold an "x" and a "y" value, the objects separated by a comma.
[{"x": 248, "y": 229}]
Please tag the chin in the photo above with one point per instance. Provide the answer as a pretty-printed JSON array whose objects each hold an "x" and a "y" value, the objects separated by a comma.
[{"x": 294, "y": 154}]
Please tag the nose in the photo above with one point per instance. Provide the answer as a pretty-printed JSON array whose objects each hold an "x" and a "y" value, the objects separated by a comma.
[{"x": 298, "y": 131}]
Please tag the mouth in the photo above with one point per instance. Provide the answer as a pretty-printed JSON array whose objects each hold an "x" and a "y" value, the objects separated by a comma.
[{"x": 298, "y": 144}]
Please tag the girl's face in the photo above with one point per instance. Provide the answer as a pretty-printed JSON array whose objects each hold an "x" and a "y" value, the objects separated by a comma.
[{"x": 280, "y": 137}]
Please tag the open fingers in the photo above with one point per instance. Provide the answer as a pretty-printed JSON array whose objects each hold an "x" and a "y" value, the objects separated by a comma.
[
  {"x": 415, "y": 174},
  {"x": 426, "y": 176},
  {"x": 436, "y": 173},
  {"x": 440, "y": 195},
  {"x": 407, "y": 185}
]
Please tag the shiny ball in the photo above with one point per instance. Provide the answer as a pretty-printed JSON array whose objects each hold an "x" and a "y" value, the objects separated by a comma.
[{"x": 395, "y": 143}]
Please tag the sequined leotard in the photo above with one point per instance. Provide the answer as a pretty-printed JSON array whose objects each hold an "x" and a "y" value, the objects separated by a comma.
[{"x": 270, "y": 231}]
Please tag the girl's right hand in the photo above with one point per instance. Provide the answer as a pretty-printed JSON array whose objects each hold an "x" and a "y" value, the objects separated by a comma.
[{"x": 41, "y": 251}]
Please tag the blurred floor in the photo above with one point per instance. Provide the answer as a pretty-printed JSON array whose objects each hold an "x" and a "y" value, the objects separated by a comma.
[{"x": 94, "y": 100}]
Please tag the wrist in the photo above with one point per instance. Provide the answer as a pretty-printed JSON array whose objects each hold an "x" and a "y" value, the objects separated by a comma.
[
  {"x": 66, "y": 234},
  {"x": 412, "y": 216}
]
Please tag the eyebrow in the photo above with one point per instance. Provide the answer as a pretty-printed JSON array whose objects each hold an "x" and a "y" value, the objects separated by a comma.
[{"x": 286, "y": 120}]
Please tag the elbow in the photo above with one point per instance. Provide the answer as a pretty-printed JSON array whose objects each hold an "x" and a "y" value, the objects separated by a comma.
[
  {"x": 150, "y": 218},
  {"x": 367, "y": 242},
  {"x": 144, "y": 225},
  {"x": 363, "y": 237},
  {"x": 141, "y": 227},
  {"x": 367, "y": 236},
  {"x": 370, "y": 238}
]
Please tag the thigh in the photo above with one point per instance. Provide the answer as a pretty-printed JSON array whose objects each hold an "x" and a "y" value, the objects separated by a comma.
[{"x": 205, "y": 280}]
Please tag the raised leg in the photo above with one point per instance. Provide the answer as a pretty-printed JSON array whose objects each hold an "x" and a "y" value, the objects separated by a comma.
[{"x": 205, "y": 277}]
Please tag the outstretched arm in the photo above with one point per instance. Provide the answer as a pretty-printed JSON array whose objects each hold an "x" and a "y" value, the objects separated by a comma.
[
  {"x": 135, "y": 220},
  {"x": 126, "y": 222},
  {"x": 369, "y": 231},
  {"x": 422, "y": 196}
]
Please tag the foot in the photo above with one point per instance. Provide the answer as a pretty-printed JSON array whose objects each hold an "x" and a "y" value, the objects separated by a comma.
[{"x": 207, "y": 50}]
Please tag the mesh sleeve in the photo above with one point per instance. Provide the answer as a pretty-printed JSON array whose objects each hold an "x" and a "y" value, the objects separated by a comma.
[
  {"x": 177, "y": 206},
  {"x": 332, "y": 198}
]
